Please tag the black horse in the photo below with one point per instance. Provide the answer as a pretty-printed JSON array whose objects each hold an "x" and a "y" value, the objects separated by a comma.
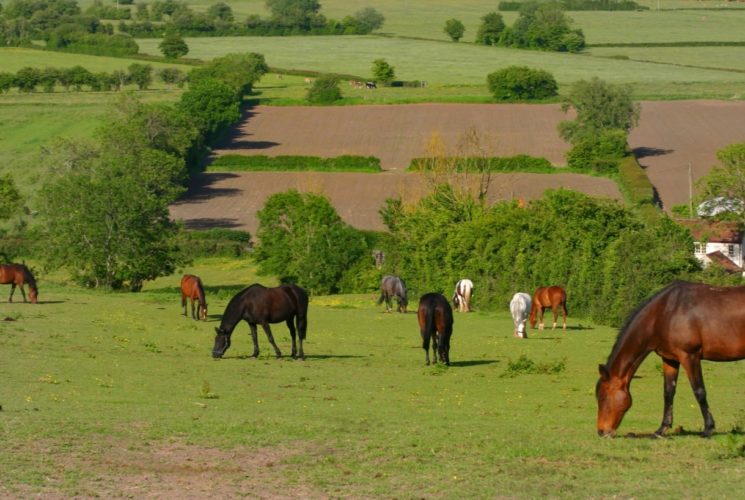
[
  {"x": 259, "y": 305},
  {"x": 393, "y": 286},
  {"x": 436, "y": 322}
]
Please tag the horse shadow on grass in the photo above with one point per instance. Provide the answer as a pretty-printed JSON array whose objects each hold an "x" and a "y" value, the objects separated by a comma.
[
  {"x": 677, "y": 432},
  {"x": 308, "y": 357},
  {"x": 473, "y": 362}
]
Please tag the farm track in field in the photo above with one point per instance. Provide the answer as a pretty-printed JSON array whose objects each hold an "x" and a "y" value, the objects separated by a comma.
[{"x": 669, "y": 136}]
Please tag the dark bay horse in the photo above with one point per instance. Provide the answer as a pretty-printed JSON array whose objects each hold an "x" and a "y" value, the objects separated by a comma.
[
  {"x": 545, "y": 297},
  {"x": 259, "y": 305},
  {"x": 16, "y": 275},
  {"x": 393, "y": 286},
  {"x": 435, "y": 322},
  {"x": 684, "y": 323},
  {"x": 192, "y": 288}
]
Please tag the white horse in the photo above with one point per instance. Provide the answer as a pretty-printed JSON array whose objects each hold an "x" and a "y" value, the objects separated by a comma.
[
  {"x": 520, "y": 306},
  {"x": 462, "y": 295}
]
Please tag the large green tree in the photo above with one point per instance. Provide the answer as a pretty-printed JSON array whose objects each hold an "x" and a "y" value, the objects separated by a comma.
[
  {"x": 239, "y": 71},
  {"x": 491, "y": 28},
  {"x": 723, "y": 188},
  {"x": 599, "y": 106},
  {"x": 302, "y": 239},
  {"x": 173, "y": 46},
  {"x": 106, "y": 206},
  {"x": 10, "y": 197}
]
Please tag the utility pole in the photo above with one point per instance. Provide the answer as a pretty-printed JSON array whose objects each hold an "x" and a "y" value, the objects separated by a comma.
[{"x": 690, "y": 191}]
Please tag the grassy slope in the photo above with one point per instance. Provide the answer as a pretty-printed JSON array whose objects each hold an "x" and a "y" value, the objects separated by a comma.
[
  {"x": 363, "y": 413},
  {"x": 13, "y": 58}
]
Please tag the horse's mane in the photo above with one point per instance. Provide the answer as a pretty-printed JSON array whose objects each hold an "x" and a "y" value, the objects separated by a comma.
[
  {"x": 28, "y": 277},
  {"x": 624, "y": 330}
]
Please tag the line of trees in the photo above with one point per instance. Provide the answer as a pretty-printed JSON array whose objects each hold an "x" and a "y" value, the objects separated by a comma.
[
  {"x": 78, "y": 78},
  {"x": 287, "y": 17},
  {"x": 581, "y": 5}
]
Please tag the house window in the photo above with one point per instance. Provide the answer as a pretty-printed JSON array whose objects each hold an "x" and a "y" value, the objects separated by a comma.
[
  {"x": 730, "y": 250},
  {"x": 698, "y": 248}
]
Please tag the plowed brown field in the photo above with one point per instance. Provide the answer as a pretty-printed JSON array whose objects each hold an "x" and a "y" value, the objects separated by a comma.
[{"x": 670, "y": 134}]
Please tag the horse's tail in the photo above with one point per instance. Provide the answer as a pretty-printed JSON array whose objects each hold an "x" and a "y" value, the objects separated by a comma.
[
  {"x": 429, "y": 319},
  {"x": 301, "y": 303}
]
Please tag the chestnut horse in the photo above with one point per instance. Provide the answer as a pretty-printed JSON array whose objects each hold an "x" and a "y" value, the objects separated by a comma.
[
  {"x": 684, "y": 323},
  {"x": 435, "y": 322},
  {"x": 192, "y": 288},
  {"x": 259, "y": 305},
  {"x": 17, "y": 275},
  {"x": 545, "y": 297}
]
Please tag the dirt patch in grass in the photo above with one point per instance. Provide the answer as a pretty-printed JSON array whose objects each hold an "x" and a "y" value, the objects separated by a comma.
[{"x": 111, "y": 468}]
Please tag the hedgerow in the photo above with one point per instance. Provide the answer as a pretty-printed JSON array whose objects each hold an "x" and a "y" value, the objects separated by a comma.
[{"x": 345, "y": 163}]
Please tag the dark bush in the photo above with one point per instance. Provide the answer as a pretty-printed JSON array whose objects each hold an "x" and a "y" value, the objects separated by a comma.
[
  {"x": 520, "y": 83},
  {"x": 325, "y": 90},
  {"x": 518, "y": 163},
  {"x": 600, "y": 152},
  {"x": 346, "y": 163}
]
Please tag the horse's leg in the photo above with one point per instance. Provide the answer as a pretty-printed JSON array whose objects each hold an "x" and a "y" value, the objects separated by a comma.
[
  {"x": 670, "y": 368},
  {"x": 692, "y": 365},
  {"x": 291, "y": 326},
  {"x": 425, "y": 345},
  {"x": 555, "y": 310},
  {"x": 564, "y": 314},
  {"x": 193, "y": 316},
  {"x": 183, "y": 304},
  {"x": 435, "y": 350},
  {"x": 269, "y": 335},
  {"x": 541, "y": 325},
  {"x": 388, "y": 303},
  {"x": 255, "y": 338},
  {"x": 12, "y": 289},
  {"x": 302, "y": 328}
]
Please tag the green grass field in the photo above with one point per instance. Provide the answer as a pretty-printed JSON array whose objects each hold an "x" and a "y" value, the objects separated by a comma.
[
  {"x": 441, "y": 63},
  {"x": 89, "y": 378}
]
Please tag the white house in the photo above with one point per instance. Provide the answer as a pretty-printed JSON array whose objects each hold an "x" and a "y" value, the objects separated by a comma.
[{"x": 720, "y": 242}]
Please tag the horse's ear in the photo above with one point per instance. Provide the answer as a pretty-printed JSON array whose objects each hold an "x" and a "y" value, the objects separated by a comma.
[{"x": 604, "y": 374}]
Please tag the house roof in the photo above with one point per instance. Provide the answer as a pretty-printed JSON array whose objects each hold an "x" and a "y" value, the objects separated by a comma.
[
  {"x": 724, "y": 261},
  {"x": 715, "y": 232}
]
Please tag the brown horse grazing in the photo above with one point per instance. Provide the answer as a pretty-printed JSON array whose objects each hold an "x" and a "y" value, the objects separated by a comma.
[
  {"x": 17, "y": 275},
  {"x": 192, "y": 288},
  {"x": 436, "y": 322},
  {"x": 259, "y": 305},
  {"x": 545, "y": 297},
  {"x": 684, "y": 323}
]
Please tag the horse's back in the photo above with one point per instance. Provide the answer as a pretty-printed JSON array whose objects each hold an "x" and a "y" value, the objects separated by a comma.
[
  {"x": 520, "y": 305},
  {"x": 298, "y": 296},
  {"x": 16, "y": 273},
  {"x": 436, "y": 308}
]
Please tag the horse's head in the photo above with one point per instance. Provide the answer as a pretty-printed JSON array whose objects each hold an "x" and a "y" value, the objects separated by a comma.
[
  {"x": 203, "y": 311},
  {"x": 222, "y": 342},
  {"x": 33, "y": 294},
  {"x": 402, "y": 303},
  {"x": 614, "y": 400}
]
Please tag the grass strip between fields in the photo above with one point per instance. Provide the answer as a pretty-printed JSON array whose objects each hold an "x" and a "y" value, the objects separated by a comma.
[{"x": 259, "y": 163}]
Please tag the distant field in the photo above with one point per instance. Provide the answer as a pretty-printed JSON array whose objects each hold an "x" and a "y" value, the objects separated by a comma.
[
  {"x": 13, "y": 58},
  {"x": 440, "y": 62},
  {"x": 731, "y": 58},
  {"x": 31, "y": 121}
]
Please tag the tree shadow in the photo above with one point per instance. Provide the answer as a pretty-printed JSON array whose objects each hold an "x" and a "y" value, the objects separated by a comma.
[
  {"x": 204, "y": 223},
  {"x": 644, "y": 152},
  {"x": 244, "y": 144},
  {"x": 201, "y": 188}
]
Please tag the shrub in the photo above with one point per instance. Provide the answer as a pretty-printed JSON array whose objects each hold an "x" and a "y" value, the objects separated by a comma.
[
  {"x": 141, "y": 75},
  {"x": 325, "y": 90},
  {"x": 382, "y": 71},
  {"x": 518, "y": 83},
  {"x": 600, "y": 152},
  {"x": 518, "y": 163},
  {"x": 214, "y": 242},
  {"x": 492, "y": 26},
  {"x": 454, "y": 29}
]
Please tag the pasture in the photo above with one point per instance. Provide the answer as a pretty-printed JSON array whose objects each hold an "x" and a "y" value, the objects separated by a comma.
[
  {"x": 14, "y": 58},
  {"x": 117, "y": 394},
  {"x": 444, "y": 63}
]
